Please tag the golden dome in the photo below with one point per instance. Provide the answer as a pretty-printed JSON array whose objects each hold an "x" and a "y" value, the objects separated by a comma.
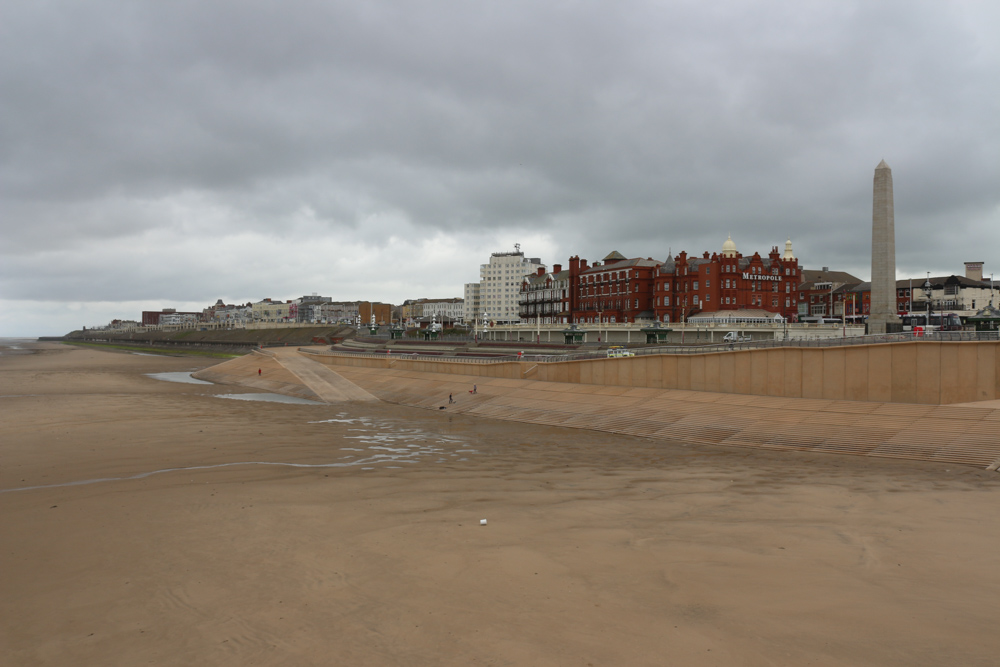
[{"x": 729, "y": 248}]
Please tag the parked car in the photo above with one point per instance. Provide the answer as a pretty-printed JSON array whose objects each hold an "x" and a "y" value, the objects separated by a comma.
[
  {"x": 736, "y": 337},
  {"x": 616, "y": 351}
]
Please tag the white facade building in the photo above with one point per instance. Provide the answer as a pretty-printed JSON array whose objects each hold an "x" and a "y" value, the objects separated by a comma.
[
  {"x": 471, "y": 309},
  {"x": 233, "y": 316},
  {"x": 178, "y": 319},
  {"x": 453, "y": 309},
  {"x": 500, "y": 285}
]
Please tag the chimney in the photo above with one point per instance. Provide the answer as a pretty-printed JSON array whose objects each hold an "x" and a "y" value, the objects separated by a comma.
[
  {"x": 974, "y": 270},
  {"x": 541, "y": 271},
  {"x": 556, "y": 268}
]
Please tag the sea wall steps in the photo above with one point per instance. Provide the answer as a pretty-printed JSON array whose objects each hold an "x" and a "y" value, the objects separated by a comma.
[
  {"x": 931, "y": 372},
  {"x": 968, "y": 435}
]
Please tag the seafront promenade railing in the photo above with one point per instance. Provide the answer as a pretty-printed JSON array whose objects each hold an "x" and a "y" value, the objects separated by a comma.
[{"x": 467, "y": 358}]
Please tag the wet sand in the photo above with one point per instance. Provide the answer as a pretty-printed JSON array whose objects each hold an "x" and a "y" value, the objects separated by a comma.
[{"x": 599, "y": 550}]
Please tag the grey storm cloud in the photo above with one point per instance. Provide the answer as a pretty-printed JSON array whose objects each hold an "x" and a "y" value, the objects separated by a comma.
[{"x": 134, "y": 131}]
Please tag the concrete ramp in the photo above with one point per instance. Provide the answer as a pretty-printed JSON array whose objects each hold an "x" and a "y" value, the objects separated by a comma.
[
  {"x": 327, "y": 384},
  {"x": 257, "y": 371}
]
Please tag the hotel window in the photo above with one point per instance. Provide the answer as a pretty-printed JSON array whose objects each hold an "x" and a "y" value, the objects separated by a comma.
[
  {"x": 708, "y": 283},
  {"x": 708, "y": 297},
  {"x": 695, "y": 300},
  {"x": 696, "y": 284},
  {"x": 666, "y": 301}
]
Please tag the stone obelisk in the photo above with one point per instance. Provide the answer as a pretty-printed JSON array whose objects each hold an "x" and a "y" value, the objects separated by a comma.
[{"x": 883, "y": 317}]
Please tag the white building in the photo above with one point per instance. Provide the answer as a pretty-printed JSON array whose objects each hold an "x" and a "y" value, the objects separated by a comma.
[
  {"x": 233, "y": 316},
  {"x": 340, "y": 311},
  {"x": 452, "y": 309},
  {"x": 471, "y": 309},
  {"x": 949, "y": 294},
  {"x": 500, "y": 285}
]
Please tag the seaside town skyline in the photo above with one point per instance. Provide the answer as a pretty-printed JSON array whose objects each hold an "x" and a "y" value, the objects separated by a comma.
[
  {"x": 511, "y": 288},
  {"x": 148, "y": 164}
]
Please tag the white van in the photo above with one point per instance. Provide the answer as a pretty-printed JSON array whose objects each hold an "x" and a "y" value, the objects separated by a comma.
[{"x": 735, "y": 337}]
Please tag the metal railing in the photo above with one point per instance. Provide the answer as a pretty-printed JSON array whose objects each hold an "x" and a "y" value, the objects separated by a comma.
[
  {"x": 395, "y": 355},
  {"x": 938, "y": 336}
]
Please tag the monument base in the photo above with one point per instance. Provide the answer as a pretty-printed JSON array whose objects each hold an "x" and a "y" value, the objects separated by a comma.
[{"x": 889, "y": 325}]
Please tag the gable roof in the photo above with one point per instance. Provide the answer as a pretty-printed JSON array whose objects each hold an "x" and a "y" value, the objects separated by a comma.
[
  {"x": 622, "y": 264},
  {"x": 820, "y": 276}
]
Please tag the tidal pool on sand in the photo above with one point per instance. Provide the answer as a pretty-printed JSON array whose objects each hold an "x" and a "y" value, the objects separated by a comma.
[
  {"x": 270, "y": 398},
  {"x": 180, "y": 376}
]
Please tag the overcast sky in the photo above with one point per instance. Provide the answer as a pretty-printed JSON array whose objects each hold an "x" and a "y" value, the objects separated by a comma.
[{"x": 168, "y": 154}]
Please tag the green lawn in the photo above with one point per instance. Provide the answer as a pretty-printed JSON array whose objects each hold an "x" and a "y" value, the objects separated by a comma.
[{"x": 168, "y": 352}]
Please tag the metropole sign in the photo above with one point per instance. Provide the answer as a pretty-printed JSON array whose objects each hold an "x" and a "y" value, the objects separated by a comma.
[{"x": 761, "y": 276}]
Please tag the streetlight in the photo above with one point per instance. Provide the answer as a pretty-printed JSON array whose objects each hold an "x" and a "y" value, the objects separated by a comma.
[{"x": 927, "y": 291}]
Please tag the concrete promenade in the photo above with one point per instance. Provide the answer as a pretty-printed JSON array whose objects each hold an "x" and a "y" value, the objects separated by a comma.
[{"x": 959, "y": 434}]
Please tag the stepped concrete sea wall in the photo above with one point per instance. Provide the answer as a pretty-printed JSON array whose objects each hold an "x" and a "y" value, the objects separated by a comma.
[
  {"x": 948, "y": 434},
  {"x": 924, "y": 372}
]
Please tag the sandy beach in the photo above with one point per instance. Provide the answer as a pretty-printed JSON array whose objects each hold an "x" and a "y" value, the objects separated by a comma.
[{"x": 313, "y": 534}]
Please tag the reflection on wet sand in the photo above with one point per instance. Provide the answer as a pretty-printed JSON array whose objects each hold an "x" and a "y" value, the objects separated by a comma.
[{"x": 233, "y": 533}]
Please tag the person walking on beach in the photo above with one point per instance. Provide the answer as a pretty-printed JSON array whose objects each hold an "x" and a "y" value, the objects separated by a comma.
[
  {"x": 450, "y": 399},
  {"x": 473, "y": 390},
  {"x": 258, "y": 372}
]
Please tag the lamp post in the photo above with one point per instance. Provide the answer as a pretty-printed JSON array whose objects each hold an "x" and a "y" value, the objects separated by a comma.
[
  {"x": 927, "y": 291},
  {"x": 831, "y": 300}
]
